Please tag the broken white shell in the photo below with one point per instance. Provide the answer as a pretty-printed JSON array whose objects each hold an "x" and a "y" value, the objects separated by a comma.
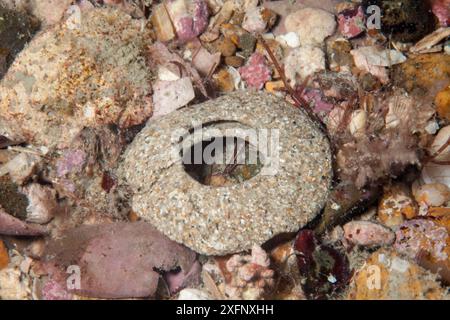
[
  {"x": 438, "y": 142},
  {"x": 358, "y": 122},
  {"x": 427, "y": 43},
  {"x": 193, "y": 294}
]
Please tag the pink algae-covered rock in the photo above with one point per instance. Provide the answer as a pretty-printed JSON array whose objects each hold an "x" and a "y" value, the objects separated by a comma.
[
  {"x": 351, "y": 22},
  {"x": 256, "y": 72},
  {"x": 366, "y": 233},
  {"x": 71, "y": 161},
  {"x": 53, "y": 290},
  {"x": 421, "y": 235},
  {"x": 118, "y": 260},
  {"x": 441, "y": 9},
  {"x": 189, "y": 17}
]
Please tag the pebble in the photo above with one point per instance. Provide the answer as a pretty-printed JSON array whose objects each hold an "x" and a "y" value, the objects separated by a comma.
[
  {"x": 395, "y": 206},
  {"x": 217, "y": 220},
  {"x": 312, "y": 25},
  {"x": 42, "y": 205},
  {"x": 303, "y": 62},
  {"x": 417, "y": 236},
  {"x": 256, "y": 72},
  {"x": 368, "y": 234},
  {"x": 258, "y": 19},
  {"x": 224, "y": 80},
  {"x": 234, "y": 61},
  {"x": 274, "y": 87},
  {"x": 421, "y": 73},
  {"x": 226, "y": 47},
  {"x": 193, "y": 294},
  {"x": 189, "y": 17},
  {"x": 171, "y": 95},
  {"x": 162, "y": 24},
  {"x": 432, "y": 194},
  {"x": 351, "y": 22},
  {"x": 388, "y": 276},
  {"x": 338, "y": 52}
]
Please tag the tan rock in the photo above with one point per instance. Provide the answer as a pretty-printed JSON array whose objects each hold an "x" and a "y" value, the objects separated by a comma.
[
  {"x": 162, "y": 23},
  {"x": 387, "y": 276}
]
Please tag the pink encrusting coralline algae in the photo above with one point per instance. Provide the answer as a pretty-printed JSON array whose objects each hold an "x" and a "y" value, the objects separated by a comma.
[
  {"x": 351, "y": 22},
  {"x": 191, "y": 21},
  {"x": 256, "y": 72}
]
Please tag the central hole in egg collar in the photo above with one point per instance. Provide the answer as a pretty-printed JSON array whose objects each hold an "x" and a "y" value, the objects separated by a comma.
[{"x": 222, "y": 161}]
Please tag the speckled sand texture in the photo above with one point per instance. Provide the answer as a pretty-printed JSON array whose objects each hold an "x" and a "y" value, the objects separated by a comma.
[
  {"x": 222, "y": 220},
  {"x": 82, "y": 73}
]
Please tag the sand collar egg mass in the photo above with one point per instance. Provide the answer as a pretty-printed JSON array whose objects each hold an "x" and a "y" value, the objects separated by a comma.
[{"x": 230, "y": 218}]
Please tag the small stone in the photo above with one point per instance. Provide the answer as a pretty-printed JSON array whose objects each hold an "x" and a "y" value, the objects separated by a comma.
[
  {"x": 234, "y": 61},
  {"x": 204, "y": 61},
  {"x": 388, "y": 276},
  {"x": 395, "y": 206},
  {"x": 303, "y": 62},
  {"x": 14, "y": 285},
  {"x": 259, "y": 19},
  {"x": 162, "y": 23},
  {"x": 432, "y": 194},
  {"x": 189, "y": 17},
  {"x": 4, "y": 257},
  {"x": 240, "y": 37},
  {"x": 339, "y": 55},
  {"x": 423, "y": 236},
  {"x": 312, "y": 25},
  {"x": 226, "y": 47},
  {"x": 442, "y": 102},
  {"x": 256, "y": 72},
  {"x": 193, "y": 294},
  {"x": 224, "y": 80},
  {"x": 422, "y": 74},
  {"x": 42, "y": 205},
  {"x": 22, "y": 167},
  {"x": 247, "y": 43},
  {"x": 368, "y": 234},
  {"x": 351, "y": 22},
  {"x": 274, "y": 87},
  {"x": 171, "y": 95},
  {"x": 358, "y": 123}
]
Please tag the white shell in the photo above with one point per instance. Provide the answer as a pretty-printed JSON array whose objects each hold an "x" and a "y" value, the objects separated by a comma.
[
  {"x": 440, "y": 139},
  {"x": 358, "y": 122},
  {"x": 193, "y": 294}
]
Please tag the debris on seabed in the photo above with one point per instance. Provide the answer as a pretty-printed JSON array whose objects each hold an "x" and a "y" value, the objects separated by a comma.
[{"x": 91, "y": 92}]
